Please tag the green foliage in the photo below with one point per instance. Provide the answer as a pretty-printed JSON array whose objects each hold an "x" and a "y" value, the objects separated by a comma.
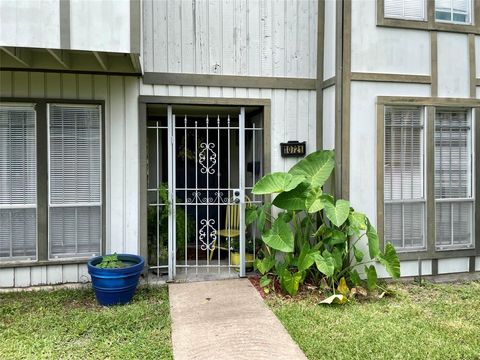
[
  {"x": 111, "y": 262},
  {"x": 315, "y": 236},
  {"x": 279, "y": 237},
  {"x": 276, "y": 183},
  {"x": 337, "y": 213},
  {"x": 249, "y": 248},
  {"x": 316, "y": 167},
  {"x": 180, "y": 228}
]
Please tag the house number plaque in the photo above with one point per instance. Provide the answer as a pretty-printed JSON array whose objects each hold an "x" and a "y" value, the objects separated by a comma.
[{"x": 293, "y": 148}]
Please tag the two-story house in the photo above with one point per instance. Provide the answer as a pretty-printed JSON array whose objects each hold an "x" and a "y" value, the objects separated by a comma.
[{"x": 141, "y": 127}]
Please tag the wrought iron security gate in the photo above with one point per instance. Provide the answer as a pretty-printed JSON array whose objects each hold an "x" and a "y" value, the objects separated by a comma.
[{"x": 201, "y": 207}]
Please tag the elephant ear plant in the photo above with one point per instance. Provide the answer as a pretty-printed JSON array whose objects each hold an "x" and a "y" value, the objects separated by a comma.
[{"x": 314, "y": 236}]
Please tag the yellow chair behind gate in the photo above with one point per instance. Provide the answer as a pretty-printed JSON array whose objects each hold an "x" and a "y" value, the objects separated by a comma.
[{"x": 232, "y": 225}]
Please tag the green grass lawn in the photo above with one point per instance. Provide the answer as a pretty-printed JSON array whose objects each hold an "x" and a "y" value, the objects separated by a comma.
[
  {"x": 68, "y": 324},
  {"x": 428, "y": 322}
]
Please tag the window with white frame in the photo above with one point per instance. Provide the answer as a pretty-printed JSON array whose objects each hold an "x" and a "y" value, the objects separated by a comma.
[
  {"x": 71, "y": 222},
  {"x": 18, "y": 182},
  {"x": 75, "y": 180},
  {"x": 451, "y": 145},
  {"x": 454, "y": 11},
  {"x": 405, "y": 9},
  {"x": 404, "y": 178},
  {"x": 454, "y": 198}
]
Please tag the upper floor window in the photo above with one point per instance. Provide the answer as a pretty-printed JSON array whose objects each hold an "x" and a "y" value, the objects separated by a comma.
[
  {"x": 455, "y": 11},
  {"x": 405, "y": 9}
]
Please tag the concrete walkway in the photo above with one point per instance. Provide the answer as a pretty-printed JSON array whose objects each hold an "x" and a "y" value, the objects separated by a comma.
[{"x": 226, "y": 319}]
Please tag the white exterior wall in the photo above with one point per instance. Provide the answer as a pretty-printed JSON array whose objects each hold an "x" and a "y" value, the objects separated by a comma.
[
  {"x": 22, "y": 23},
  {"x": 329, "y": 38},
  {"x": 363, "y": 141},
  {"x": 94, "y": 25},
  {"x": 453, "y": 65},
  {"x": 121, "y": 160},
  {"x": 255, "y": 38},
  {"x": 396, "y": 51},
  {"x": 329, "y": 118},
  {"x": 385, "y": 50},
  {"x": 100, "y": 25},
  {"x": 477, "y": 58}
]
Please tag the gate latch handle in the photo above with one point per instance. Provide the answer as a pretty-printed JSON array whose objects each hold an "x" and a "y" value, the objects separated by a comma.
[{"x": 236, "y": 196}]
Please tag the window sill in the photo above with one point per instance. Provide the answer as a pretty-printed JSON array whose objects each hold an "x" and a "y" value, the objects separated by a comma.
[
  {"x": 444, "y": 254},
  {"x": 23, "y": 263},
  {"x": 428, "y": 25}
]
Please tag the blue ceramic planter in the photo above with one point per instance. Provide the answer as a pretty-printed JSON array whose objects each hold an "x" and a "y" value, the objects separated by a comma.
[{"x": 115, "y": 286}]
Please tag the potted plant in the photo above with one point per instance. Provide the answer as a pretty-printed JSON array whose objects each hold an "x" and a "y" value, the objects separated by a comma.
[
  {"x": 115, "y": 277},
  {"x": 235, "y": 253}
]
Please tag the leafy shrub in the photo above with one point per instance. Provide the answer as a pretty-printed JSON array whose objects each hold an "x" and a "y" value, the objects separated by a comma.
[
  {"x": 182, "y": 227},
  {"x": 111, "y": 262},
  {"x": 314, "y": 235}
]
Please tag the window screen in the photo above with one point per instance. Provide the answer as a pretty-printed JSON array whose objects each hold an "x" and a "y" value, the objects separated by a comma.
[
  {"x": 453, "y": 179},
  {"x": 18, "y": 179},
  {"x": 75, "y": 180},
  {"x": 405, "y": 9},
  {"x": 458, "y": 11},
  {"x": 404, "y": 175}
]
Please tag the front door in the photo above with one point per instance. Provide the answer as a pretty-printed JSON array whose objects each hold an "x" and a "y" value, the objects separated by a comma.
[{"x": 212, "y": 156}]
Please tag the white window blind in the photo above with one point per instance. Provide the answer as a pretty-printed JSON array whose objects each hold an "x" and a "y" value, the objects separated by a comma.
[
  {"x": 457, "y": 11},
  {"x": 18, "y": 179},
  {"x": 75, "y": 180},
  {"x": 454, "y": 180},
  {"x": 405, "y": 9},
  {"x": 404, "y": 174}
]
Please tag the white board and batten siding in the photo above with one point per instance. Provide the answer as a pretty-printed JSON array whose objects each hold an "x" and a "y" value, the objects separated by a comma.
[
  {"x": 329, "y": 56},
  {"x": 22, "y": 24},
  {"x": 121, "y": 161},
  {"x": 242, "y": 37},
  {"x": 231, "y": 37}
]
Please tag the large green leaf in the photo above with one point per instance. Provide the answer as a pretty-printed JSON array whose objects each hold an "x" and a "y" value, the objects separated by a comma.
[
  {"x": 371, "y": 277},
  {"x": 265, "y": 281},
  {"x": 337, "y": 213},
  {"x": 337, "y": 255},
  {"x": 314, "y": 201},
  {"x": 389, "y": 259},
  {"x": 335, "y": 237},
  {"x": 251, "y": 215},
  {"x": 262, "y": 215},
  {"x": 356, "y": 222},
  {"x": 277, "y": 182},
  {"x": 264, "y": 265},
  {"x": 358, "y": 254},
  {"x": 326, "y": 265},
  {"x": 355, "y": 277},
  {"x": 290, "y": 282},
  {"x": 316, "y": 167},
  {"x": 293, "y": 199},
  {"x": 373, "y": 242},
  {"x": 306, "y": 258},
  {"x": 279, "y": 237}
]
